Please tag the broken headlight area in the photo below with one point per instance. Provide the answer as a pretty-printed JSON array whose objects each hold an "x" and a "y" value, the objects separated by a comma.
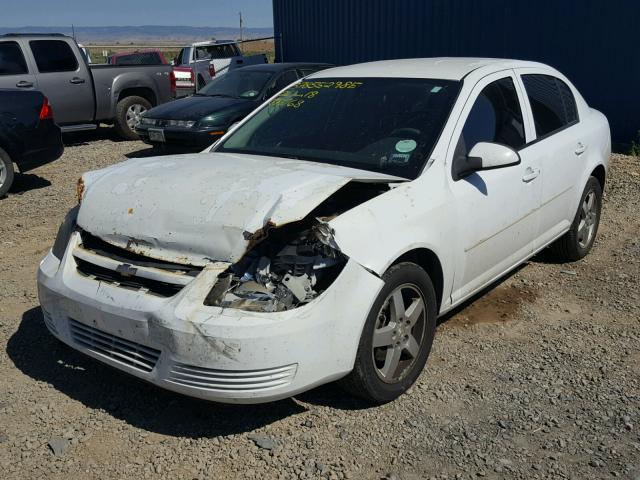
[{"x": 291, "y": 266}]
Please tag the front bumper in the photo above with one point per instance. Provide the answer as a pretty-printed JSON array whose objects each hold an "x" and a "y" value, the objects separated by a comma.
[
  {"x": 193, "y": 138},
  {"x": 224, "y": 355}
]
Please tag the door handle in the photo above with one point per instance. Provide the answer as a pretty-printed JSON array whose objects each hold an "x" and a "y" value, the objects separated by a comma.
[
  {"x": 530, "y": 174},
  {"x": 76, "y": 80},
  {"x": 580, "y": 148},
  {"x": 24, "y": 84}
]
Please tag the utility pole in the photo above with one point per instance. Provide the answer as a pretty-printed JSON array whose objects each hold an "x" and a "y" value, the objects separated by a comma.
[
  {"x": 73, "y": 31},
  {"x": 241, "y": 31}
]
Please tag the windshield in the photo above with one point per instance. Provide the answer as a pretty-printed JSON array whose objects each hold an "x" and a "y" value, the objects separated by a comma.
[
  {"x": 237, "y": 84},
  {"x": 387, "y": 125}
]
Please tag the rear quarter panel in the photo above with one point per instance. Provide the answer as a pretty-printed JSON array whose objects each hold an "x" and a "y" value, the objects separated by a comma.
[{"x": 111, "y": 80}]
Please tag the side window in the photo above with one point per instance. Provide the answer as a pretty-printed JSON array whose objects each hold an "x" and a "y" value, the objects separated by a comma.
[
  {"x": 552, "y": 103},
  {"x": 53, "y": 56},
  {"x": 307, "y": 71},
  {"x": 11, "y": 59},
  {"x": 495, "y": 117},
  {"x": 285, "y": 79},
  {"x": 570, "y": 108}
]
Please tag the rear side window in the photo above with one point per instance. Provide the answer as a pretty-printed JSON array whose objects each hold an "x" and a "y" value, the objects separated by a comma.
[
  {"x": 140, "y": 58},
  {"x": 11, "y": 59},
  {"x": 53, "y": 56},
  {"x": 496, "y": 117},
  {"x": 552, "y": 103},
  {"x": 285, "y": 79}
]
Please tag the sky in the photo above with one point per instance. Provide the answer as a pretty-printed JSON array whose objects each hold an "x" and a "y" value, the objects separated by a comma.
[{"x": 196, "y": 13}]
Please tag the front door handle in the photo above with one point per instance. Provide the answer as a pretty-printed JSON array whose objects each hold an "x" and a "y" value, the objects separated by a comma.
[
  {"x": 76, "y": 80},
  {"x": 24, "y": 84},
  {"x": 580, "y": 148},
  {"x": 530, "y": 174}
]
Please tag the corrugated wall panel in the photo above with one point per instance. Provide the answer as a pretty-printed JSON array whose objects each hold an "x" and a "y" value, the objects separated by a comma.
[{"x": 593, "y": 42}]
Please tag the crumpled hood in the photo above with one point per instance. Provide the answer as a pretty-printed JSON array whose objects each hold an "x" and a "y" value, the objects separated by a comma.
[{"x": 207, "y": 206}]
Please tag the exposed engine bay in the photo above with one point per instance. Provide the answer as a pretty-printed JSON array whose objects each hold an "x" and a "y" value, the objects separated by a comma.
[{"x": 293, "y": 264}]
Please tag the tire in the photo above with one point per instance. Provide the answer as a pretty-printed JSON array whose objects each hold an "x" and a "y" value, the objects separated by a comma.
[
  {"x": 128, "y": 112},
  {"x": 201, "y": 82},
  {"x": 577, "y": 242},
  {"x": 6, "y": 172},
  {"x": 373, "y": 377}
]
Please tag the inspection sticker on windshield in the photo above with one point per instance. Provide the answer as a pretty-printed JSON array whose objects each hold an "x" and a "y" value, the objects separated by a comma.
[
  {"x": 399, "y": 158},
  {"x": 406, "y": 146}
]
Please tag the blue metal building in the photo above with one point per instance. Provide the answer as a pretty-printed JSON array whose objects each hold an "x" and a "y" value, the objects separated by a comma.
[{"x": 593, "y": 42}]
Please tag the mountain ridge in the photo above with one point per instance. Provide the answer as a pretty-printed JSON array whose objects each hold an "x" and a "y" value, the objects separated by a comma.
[{"x": 145, "y": 33}]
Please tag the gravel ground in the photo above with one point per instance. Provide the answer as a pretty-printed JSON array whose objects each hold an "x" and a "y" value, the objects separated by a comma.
[{"x": 539, "y": 377}]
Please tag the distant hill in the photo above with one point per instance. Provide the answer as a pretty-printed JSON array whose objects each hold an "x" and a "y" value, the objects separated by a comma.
[{"x": 145, "y": 33}]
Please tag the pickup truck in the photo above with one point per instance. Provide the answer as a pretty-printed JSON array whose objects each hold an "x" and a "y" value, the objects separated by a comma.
[
  {"x": 28, "y": 135},
  {"x": 199, "y": 62},
  {"x": 83, "y": 95}
]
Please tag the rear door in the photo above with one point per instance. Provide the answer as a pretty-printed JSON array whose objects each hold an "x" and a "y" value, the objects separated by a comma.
[
  {"x": 15, "y": 71},
  {"x": 64, "y": 80},
  {"x": 557, "y": 146}
]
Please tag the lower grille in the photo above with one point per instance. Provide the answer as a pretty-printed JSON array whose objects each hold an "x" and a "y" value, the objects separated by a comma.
[
  {"x": 48, "y": 321},
  {"x": 231, "y": 380},
  {"x": 118, "y": 349}
]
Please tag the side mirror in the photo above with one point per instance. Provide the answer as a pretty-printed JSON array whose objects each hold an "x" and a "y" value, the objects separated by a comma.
[{"x": 485, "y": 156}]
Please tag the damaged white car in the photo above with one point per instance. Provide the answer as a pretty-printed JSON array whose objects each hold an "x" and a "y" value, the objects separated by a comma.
[{"x": 321, "y": 238}]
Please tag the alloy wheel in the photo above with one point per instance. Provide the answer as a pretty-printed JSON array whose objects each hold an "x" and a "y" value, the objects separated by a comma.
[
  {"x": 588, "y": 219},
  {"x": 399, "y": 333},
  {"x": 134, "y": 114},
  {"x": 3, "y": 174}
]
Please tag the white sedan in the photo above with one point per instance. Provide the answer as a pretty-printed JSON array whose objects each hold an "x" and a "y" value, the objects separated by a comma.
[{"x": 320, "y": 238}]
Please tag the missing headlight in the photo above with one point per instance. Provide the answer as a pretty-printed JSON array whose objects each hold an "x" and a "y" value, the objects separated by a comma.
[
  {"x": 290, "y": 267},
  {"x": 64, "y": 233}
]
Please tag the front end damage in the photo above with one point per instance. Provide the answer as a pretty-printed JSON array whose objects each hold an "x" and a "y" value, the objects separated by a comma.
[
  {"x": 288, "y": 266},
  {"x": 285, "y": 316}
]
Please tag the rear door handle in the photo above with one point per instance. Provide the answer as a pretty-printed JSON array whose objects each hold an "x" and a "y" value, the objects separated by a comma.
[
  {"x": 24, "y": 84},
  {"x": 580, "y": 148},
  {"x": 76, "y": 80},
  {"x": 530, "y": 174}
]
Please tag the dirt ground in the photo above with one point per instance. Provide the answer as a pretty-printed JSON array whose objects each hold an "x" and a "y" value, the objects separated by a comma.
[{"x": 538, "y": 377}]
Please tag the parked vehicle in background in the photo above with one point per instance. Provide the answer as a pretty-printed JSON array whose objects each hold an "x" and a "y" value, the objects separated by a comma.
[
  {"x": 321, "y": 238},
  {"x": 83, "y": 95},
  {"x": 29, "y": 136},
  {"x": 195, "y": 122},
  {"x": 150, "y": 56},
  {"x": 198, "y": 63}
]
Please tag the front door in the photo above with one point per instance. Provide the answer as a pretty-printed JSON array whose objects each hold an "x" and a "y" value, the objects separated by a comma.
[
  {"x": 496, "y": 209},
  {"x": 64, "y": 80}
]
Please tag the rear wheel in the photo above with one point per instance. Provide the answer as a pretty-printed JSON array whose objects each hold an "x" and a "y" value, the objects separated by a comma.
[
  {"x": 128, "y": 114},
  {"x": 397, "y": 336},
  {"x": 6, "y": 173},
  {"x": 577, "y": 242}
]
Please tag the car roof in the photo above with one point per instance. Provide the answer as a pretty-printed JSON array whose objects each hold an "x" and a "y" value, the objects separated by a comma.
[
  {"x": 445, "y": 68},
  {"x": 277, "y": 67}
]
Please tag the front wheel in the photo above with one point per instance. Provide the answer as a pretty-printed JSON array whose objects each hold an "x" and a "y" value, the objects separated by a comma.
[
  {"x": 397, "y": 336},
  {"x": 6, "y": 172},
  {"x": 128, "y": 114},
  {"x": 577, "y": 242}
]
